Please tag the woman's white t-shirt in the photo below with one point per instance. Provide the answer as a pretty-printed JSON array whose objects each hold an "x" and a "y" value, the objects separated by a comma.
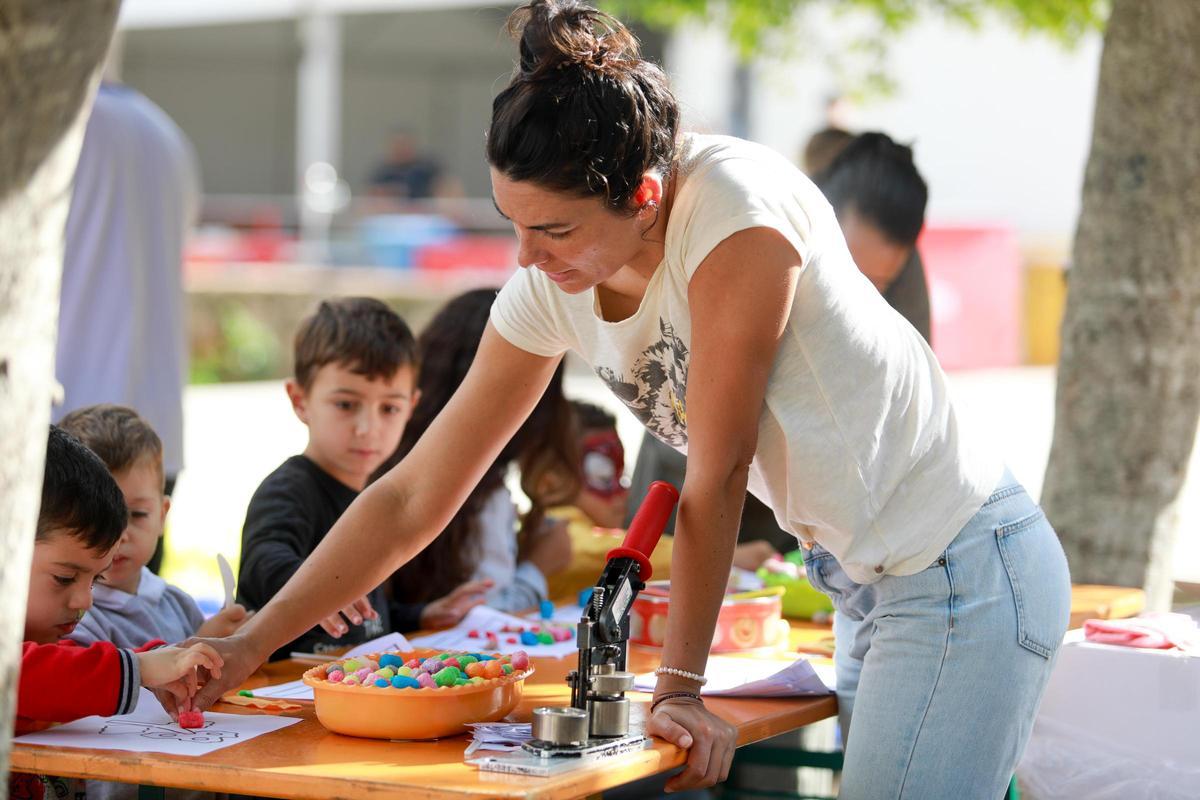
[{"x": 859, "y": 447}]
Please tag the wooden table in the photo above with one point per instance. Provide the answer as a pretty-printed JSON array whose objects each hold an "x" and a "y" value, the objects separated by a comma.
[{"x": 307, "y": 761}]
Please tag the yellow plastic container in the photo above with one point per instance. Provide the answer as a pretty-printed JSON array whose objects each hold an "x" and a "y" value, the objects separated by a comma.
[
  {"x": 1045, "y": 299},
  {"x": 433, "y": 713}
]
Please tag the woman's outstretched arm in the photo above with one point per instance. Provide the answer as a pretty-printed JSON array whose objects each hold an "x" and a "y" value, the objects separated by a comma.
[{"x": 398, "y": 515}]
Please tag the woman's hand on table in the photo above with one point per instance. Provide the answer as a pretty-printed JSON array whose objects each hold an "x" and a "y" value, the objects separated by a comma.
[
  {"x": 709, "y": 740},
  {"x": 240, "y": 659}
]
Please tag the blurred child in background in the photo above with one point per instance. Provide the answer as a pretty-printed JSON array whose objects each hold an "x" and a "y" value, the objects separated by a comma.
[
  {"x": 596, "y": 515},
  {"x": 485, "y": 540}
]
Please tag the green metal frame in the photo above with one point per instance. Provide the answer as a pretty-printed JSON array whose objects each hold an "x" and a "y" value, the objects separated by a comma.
[{"x": 768, "y": 756}]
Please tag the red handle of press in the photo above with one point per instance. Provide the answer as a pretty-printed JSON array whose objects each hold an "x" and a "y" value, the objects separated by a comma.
[{"x": 647, "y": 527}]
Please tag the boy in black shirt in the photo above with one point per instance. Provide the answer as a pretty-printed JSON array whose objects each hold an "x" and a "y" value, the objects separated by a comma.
[{"x": 354, "y": 387}]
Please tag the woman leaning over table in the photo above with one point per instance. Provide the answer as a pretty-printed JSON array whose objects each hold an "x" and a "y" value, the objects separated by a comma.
[{"x": 706, "y": 281}]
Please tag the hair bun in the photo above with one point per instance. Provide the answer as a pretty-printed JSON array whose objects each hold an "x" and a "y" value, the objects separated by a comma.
[{"x": 559, "y": 34}]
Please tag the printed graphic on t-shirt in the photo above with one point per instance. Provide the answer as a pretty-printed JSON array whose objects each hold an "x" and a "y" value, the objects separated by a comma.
[{"x": 656, "y": 390}]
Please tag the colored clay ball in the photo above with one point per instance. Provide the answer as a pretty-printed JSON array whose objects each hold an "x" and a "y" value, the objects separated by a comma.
[
  {"x": 191, "y": 719},
  {"x": 529, "y": 638},
  {"x": 447, "y": 677},
  {"x": 444, "y": 670}
]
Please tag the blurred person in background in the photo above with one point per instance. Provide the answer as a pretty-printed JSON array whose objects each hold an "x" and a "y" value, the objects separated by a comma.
[
  {"x": 406, "y": 174},
  {"x": 122, "y": 318},
  {"x": 879, "y": 197},
  {"x": 822, "y": 148}
]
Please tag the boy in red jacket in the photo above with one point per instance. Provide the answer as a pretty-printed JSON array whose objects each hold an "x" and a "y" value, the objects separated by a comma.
[{"x": 82, "y": 518}]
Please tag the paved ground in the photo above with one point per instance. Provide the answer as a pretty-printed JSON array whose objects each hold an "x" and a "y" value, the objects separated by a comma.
[{"x": 237, "y": 433}]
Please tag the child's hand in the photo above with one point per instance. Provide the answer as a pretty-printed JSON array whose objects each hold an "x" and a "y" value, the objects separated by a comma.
[
  {"x": 224, "y": 622},
  {"x": 356, "y": 612},
  {"x": 550, "y": 549},
  {"x": 449, "y": 610},
  {"x": 753, "y": 555},
  {"x": 173, "y": 669}
]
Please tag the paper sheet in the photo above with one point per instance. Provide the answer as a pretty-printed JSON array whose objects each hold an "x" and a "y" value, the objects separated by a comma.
[
  {"x": 292, "y": 690},
  {"x": 754, "y": 677},
  {"x": 389, "y": 641},
  {"x": 505, "y": 736},
  {"x": 567, "y": 614},
  {"x": 149, "y": 730},
  {"x": 483, "y": 618}
]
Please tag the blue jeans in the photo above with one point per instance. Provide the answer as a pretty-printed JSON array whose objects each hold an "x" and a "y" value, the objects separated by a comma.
[{"x": 942, "y": 671}]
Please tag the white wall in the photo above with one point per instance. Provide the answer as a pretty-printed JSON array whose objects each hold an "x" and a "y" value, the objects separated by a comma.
[{"x": 1000, "y": 123}]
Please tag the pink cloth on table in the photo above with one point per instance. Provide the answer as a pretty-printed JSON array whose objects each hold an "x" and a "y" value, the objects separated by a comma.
[{"x": 1154, "y": 631}]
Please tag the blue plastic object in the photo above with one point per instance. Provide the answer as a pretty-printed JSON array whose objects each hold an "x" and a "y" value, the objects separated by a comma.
[{"x": 392, "y": 240}]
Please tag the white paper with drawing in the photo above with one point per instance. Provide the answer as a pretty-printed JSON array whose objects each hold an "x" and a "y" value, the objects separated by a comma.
[
  {"x": 482, "y": 620},
  {"x": 149, "y": 730}
]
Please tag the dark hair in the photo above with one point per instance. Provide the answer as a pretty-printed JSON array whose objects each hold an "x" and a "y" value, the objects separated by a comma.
[
  {"x": 823, "y": 147},
  {"x": 79, "y": 495},
  {"x": 876, "y": 177},
  {"x": 583, "y": 112},
  {"x": 545, "y": 442},
  {"x": 592, "y": 417},
  {"x": 115, "y": 433},
  {"x": 360, "y": 333}
]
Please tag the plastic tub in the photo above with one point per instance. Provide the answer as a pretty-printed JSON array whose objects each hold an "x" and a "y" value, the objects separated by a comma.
[{"x": 377, "y": 713}]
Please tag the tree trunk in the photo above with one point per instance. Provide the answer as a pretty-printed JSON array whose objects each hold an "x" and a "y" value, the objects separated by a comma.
[
  {"x": 1128, "y": 396},
  {"x": 50, "y": 52}
]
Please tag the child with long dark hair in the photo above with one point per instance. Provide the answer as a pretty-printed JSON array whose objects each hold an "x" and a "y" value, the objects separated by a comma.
[{"x": 481, "y": 540}]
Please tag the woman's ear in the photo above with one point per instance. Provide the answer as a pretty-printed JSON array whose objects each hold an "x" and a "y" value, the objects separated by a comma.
[{"x": 649, "y": 193}]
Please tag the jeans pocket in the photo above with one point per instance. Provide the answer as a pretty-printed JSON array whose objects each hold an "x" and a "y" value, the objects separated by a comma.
[
  {"x": 812, "y": 568},
  {"x": 1037, "y": 572}
]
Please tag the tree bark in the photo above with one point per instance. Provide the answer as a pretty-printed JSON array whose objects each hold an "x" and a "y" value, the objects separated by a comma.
[
  {"x": 1128, "y": 396},
  {"x": 50, "y": 53}
]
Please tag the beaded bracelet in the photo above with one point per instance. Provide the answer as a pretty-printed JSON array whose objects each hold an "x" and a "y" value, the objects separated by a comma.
[
  {"x": 674, "y": 696},
  {"x": 682, "y": 673}
]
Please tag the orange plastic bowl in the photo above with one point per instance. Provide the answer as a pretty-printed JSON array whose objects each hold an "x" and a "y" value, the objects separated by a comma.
[{"x": 376, "y": 713}]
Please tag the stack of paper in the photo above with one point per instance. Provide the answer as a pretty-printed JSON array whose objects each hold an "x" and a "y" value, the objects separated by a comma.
[{"x": 498, "y": 736}]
